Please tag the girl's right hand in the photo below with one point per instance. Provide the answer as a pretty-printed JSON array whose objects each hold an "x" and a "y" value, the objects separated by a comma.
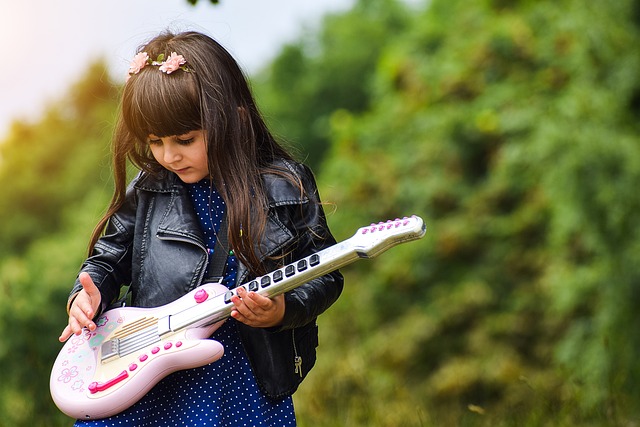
[{"x": 83, "y": 308}]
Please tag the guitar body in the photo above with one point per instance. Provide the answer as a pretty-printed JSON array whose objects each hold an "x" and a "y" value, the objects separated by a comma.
[{"x": 84, "y": 386}]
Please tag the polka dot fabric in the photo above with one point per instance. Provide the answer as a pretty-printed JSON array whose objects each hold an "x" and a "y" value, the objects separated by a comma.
[{"x": 224, "y": 393}]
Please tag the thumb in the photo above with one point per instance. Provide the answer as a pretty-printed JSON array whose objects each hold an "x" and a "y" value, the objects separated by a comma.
[{"x": 89, "y": 287}]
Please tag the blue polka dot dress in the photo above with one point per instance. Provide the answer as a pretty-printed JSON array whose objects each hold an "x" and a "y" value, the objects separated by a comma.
[{"x": 223, "y": 393}]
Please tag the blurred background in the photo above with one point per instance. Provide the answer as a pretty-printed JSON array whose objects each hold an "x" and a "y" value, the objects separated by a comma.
[{"x": 511, "y": 126}]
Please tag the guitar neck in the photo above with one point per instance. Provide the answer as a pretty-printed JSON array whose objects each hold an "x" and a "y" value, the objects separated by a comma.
[
  {"x": 368, "y": 242},
  {"x": 280, "y": 281}
]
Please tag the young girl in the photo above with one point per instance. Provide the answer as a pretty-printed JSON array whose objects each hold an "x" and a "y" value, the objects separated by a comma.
[{"x": 189, "y": 122}]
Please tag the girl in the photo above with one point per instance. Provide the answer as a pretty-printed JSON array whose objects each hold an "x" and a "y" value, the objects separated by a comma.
[{"x": 189, "y": 122}]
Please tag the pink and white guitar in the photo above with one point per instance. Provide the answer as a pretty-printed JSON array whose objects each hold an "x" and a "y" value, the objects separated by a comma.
[{"x": 101, "y": 373}]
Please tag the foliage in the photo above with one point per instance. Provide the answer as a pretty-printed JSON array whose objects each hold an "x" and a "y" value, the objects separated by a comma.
[
  {"x": 327, "y": 71},
  {"x": 54, "y": 176},
  {"x": 517, "y": 139},
  {"x": 35, "y": 287},
  {"x": 47, "y": 165},
  {"x": 511, "y": 127}
]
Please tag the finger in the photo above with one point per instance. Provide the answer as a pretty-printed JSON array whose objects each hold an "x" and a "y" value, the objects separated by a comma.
[
  {"x": 255, "y": 302},
  {"x": 81, "y": 314},
  {"x": 243, "y": 298},
  {"x": 243, "y": 303},
  {"x": 237, "y": 315},
  {"x": 85, "y": 311},
  {"x": 258, "y": 302},
  {"x": 66, "y": 333},
  {"x": 91, "y": 302},
  {"x": 241, "y": 307},
  {"x": 87, "y": 284},
  {"x": 74, "y": 326}
]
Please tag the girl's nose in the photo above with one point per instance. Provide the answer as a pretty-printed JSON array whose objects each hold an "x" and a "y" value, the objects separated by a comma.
[{"x": 171, "y": 153}]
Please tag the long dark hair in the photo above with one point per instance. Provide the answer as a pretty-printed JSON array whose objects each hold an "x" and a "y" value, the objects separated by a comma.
[{"x": 211, "y": 94}]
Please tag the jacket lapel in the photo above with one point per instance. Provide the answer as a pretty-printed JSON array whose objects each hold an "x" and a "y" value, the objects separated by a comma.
[{"x": 179, "y": 221}]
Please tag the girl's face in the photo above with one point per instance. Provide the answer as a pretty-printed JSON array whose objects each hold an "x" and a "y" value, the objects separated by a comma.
[{"x": 185, "y": 155}]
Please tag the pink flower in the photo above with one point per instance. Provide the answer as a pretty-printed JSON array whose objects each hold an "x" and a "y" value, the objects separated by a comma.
[
  {"x": 67, "y": 374},
  {"x": 172, "y": 63},
  {"x": 138, "y": 62}
]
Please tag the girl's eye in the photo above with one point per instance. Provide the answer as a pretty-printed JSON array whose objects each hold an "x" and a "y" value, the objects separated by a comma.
[
  {"x": 185, "y": 141},
  {"x": 154, "y": 141}
]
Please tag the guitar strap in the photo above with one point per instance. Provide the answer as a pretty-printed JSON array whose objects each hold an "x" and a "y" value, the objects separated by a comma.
[{"x": 218, "y": 263}]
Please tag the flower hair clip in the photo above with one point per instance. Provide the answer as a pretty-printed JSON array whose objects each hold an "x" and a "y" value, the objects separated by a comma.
[{"x": 173, "y": 63}]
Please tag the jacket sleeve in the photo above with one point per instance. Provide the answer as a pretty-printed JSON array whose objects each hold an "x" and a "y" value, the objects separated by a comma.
[
  {"x": 282, "y": 356},
  {"x": 109, "y": 264},
  {"x": 304, "y": 303}
]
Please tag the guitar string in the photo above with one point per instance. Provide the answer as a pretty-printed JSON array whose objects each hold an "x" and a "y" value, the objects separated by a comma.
[{"x": 147, "y": 336}]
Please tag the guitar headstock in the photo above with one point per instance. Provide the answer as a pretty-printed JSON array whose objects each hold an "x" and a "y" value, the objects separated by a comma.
[{"x": 375, "y": 238}]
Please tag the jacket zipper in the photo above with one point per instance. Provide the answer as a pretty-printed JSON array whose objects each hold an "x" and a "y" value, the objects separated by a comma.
[{"x": 297, "y": 360}]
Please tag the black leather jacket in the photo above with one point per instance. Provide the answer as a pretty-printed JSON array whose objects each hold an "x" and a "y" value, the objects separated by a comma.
[{"x": 155, "y": 238}]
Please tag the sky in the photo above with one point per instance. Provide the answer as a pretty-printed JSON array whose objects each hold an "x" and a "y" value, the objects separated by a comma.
[{"x": 48, "y": 44}]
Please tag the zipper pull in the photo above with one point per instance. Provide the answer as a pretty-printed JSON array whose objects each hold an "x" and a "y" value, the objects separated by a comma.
[{"x": 298, "y": 364}]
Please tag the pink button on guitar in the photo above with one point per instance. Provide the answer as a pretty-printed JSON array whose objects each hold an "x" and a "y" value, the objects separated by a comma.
[
  {"x": 155, "y": 350},
  {"x": 201, "y": 296}
]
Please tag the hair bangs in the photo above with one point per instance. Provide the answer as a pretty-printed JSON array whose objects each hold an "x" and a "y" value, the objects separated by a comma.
[{"x": 160, "y": 104}]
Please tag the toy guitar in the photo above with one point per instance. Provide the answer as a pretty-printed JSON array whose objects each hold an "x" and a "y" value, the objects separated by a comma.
[{"x": 101, "y": 373}]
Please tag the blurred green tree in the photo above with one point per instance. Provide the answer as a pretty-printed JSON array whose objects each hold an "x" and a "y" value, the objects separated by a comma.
[
  {"x": 325, "y": 71},
  {"x": 55, "y": 179},
  {"x": 49, "y": 164},
  {"x": 512, "y": 127}
]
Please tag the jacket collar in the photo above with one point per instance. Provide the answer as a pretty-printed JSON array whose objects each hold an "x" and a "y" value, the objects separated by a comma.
[
  {"x": 163, "y": 182},
  {"x": 279, "y": 191}
]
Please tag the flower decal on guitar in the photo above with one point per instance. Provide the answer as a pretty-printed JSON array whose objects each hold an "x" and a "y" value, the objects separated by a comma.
[
  {"x": 78, "y": 386},
  {"x": 96, "y": 340},
  {"x": 68, "y": 374},
  {"x": 76, "y": 342},
  {"x": 102, "y": 321}
]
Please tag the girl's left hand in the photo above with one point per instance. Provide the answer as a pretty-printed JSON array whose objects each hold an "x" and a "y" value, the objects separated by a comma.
[{"x": 256, "y": 310}]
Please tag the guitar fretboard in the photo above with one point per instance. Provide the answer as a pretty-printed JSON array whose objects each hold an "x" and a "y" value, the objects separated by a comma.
[
  {"x": 277, "y": 282},
  {"x": 368, "y": 242}
]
